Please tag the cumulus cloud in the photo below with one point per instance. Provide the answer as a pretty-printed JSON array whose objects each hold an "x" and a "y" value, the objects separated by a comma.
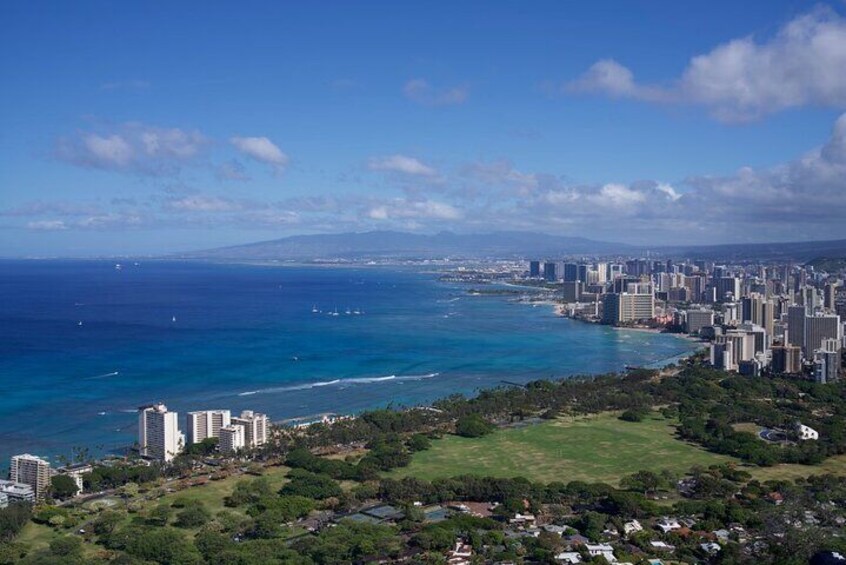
[
  {"x": 133, "y": 147},
  {"x": 420, "y": 91},
  {"x": 800, "y": 199},
  {"x": 261, "y": 149},
  {"x": 747, "y": 78},
  {"x": 401, "y": 164},
  {"x": 404, "y": 209}
]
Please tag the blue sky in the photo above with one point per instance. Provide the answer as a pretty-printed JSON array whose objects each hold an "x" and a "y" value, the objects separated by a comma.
[{"x": 159, "y": 127}]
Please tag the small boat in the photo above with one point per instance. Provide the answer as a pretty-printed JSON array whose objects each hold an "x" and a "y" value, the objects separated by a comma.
[
  {"x": 348, "y": 312},
  {"x": 357, "y": 312},
  {"x": 118, "y": 266}
]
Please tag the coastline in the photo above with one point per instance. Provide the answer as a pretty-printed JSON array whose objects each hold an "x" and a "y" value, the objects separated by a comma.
[{"x": 276, "y": 357}]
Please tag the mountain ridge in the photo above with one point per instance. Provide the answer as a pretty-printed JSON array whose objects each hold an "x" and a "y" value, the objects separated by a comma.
[{"x": 497, "y": 244}]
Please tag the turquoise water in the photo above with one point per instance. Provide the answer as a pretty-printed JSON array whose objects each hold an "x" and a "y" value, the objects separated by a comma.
[{"x": 245, "y": 337}]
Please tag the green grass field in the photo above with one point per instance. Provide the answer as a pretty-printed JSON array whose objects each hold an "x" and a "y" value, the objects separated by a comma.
[
  {"x": 596, "y": 448},
  {"x": 212, "y": 493},
  {"x": 37, "y": 536}
]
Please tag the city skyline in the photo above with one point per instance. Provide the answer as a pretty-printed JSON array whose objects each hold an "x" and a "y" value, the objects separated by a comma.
[{"x": 150, "y": 130}]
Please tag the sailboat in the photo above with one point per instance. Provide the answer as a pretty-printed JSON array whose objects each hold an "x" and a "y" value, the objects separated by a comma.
[
  {"x": 314, "y": 309},
  {"x": 173, "y": 319},
  {"x": 79, "y": 323}
]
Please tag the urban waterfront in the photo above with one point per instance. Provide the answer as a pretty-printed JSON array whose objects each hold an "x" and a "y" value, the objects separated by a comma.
[{"x": 199, "y": 336}]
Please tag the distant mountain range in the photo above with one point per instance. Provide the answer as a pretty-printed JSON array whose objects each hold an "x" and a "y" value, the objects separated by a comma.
[
  {"x": 501, "y": 244},
  {"x": 401, "y": 245}
]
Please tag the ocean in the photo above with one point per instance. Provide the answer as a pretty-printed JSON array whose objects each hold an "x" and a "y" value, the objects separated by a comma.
[{"x": 83, "y": 344}]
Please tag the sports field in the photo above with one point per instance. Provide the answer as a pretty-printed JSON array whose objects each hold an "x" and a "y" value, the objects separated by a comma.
[{"x": 599, "y": 448}]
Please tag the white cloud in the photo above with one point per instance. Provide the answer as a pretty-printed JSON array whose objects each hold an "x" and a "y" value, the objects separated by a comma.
[
  {"x": 420, "y": 91},
  {"x": 47, "y": 225},
  {"x": 800, "y": 199},
  {"x": 202, "y": 203},
  {"x": 401, "y": 164},
  {"x": 619, "y": 195},
  {"x": 133, "y": 147},
  {"x": 261, "y": 149},
  {"x": 404, "y": 209},
  {"x": 802, "y": 64},
  {"x": 668, "y": 190}
]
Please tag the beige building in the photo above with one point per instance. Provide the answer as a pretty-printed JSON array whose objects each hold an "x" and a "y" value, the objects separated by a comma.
[
  {"x": 204, "y": 424},
  {"x": 256, "y": 427},
  {"x": 158, "y": 433},
  {"x": 231, "y": 439},
  {"x": 33, "y": 471}
]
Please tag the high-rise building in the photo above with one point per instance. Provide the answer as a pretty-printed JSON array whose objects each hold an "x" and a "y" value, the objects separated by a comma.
[
  {"x": 817, "y": 328},
  {"x": 752, "y": 307},
  {"x": 231, "y": 439},
  {"x": 158, "y": 433},
  {"x": 787, "y": 359},
  {"x": 730, "y": 349},
  {"x": 627, "y": 307},
  {"x": 570, "y": 272},
  {"x": 33, "y": 471},
  {"x": 727, "y": 287},
  {"x": 768, "y": 316},
  {"x": 796, "y": 325},
  {"x": 572, "y": 290},
  {"x": 205, "y": 424},
  {"x": 827, "y": 362},
  {"x": 698, "y": 319},
  {"x": 255, "y": 428},
  {"x": 601, "y": 272},
  {"x": 549, "y": 271},
  {"x": 762, "y": 341},
  {"x": 534, "y": 269},
  {"x": 829, "y": 296}
]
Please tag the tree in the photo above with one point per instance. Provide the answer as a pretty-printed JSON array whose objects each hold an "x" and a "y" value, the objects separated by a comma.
[
  {"x": 66, "y": 546},
  {"x": 473, "y": 425},
  {"x": 642, "y": 481},
  {"x": 63, "y": 487},
  {"x": 193, "y": 516},
  {"x": 106, "y": 523}
]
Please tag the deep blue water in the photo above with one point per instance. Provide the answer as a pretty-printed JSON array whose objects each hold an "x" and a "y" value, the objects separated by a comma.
[{"x": 245, "y": 337}]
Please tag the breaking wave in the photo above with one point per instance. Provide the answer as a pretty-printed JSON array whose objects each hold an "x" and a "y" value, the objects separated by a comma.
[{"x": 340, "y": 382}]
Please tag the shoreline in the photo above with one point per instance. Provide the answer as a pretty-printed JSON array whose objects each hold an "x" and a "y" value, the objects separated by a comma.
[{"x": 112, "y": 429}]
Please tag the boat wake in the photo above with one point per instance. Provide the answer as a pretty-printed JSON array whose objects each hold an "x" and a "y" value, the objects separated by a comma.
[
  {"x": 340, "y": 382},
  {"x": 105, "y": 375}
]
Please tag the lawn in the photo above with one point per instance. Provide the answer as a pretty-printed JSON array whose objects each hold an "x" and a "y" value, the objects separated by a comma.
[
  {"x": 595, "y": 448},
  {"x": 833, "y": 465},
  {"x": 212, "y": 493}
]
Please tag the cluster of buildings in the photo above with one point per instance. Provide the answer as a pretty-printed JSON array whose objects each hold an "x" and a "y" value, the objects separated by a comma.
[
  {"x": 783, "y": 319},
  {"x": 30, "y": 478},
  {"x": 161, "y": 439}
]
